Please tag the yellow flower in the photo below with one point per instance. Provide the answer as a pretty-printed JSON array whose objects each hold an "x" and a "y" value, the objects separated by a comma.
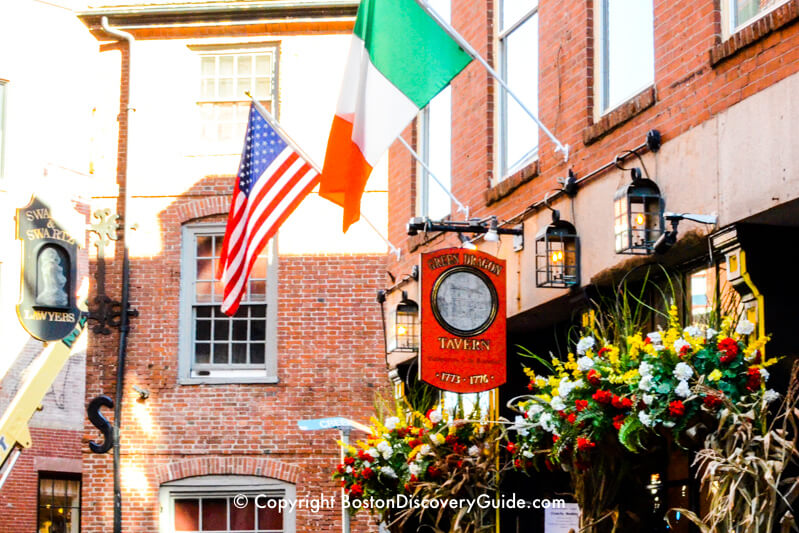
[
  {"x": 630, "y": 375},
  {"x": 437, "y": 438},
  {"x": 529, "y": 372},
  {"x": 545, "y": 397},
  {"x": 553, "y": 381},
  {"x": 715, "y": 375},
  {"x": 540, "y": 382}
]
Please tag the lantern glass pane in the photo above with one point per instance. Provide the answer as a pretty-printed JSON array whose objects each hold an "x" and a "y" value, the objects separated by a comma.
[
  {"x": 406, "y": 328},
  {"x": 621, "y": 226}
]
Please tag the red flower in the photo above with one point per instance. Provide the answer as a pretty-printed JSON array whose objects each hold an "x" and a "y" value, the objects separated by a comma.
[
  {"x": 572, "y": 418},
  {"x": 603, "y": 396},
  {"x": 363, "y": 456},
  {"x": 460, "y": 449},
  {"x": 729, "y": 349},
  {"x": 349, "y": 461},
  {"x": 594, "y": 377},
  {"x": 433, "y": 471},
  {"x": 356, "y": 490},
  {"x": 602, "y": 351},
  {"x": 756, "y": 357},
  {"x": 511, "y": 447},
  {"x": 340, "y": 469},
  {"x": 413, "y": 443},
  {"x": 618, "y": 421},
  {"x": 584, "y": 444},
  {"x": 517, "y": 463},
  {"x": 752, "y": 378},
  {"x": 712, "y": 401},
  {"x": 367, "y": 473},
  {"x": 647, "y": 340},
  {"x": 580, "y": 405},
  {"x": 451, "y": 439},
  {"x": 676, "y": 408},
  {"x": 530, "y": 386},
  {"x": 555, "y": 439},
  {"x": 460, "y": 463},
  {"x": 684, "y": 350},
  {"x": 549, "y": 465}
]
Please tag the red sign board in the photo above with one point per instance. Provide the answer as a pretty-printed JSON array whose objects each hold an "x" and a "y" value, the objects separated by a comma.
[{"x": 463, "y": 320}]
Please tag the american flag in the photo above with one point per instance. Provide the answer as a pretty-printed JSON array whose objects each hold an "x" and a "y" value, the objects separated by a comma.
[{"x": 272, "y": 180}]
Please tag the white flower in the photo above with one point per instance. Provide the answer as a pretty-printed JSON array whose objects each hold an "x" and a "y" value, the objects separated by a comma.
[
  {"x": 584, "y": 364},
  {"x": 669, "y": 424},
  {"x": 645, "y": 383},
  {"x": 388, "y": 471},
  {"x": 474, "y": 450},
  {"x": 679, "y": 344},
  {"x": 425, "y": 450},
  {"x": 435, "y": 417},
  {"x": 683, "y": 390},
  {"x": 644, "y": 369},
  {"x": 348, "y": 470},
  {"x": 520, "y": 425},
  {"x": 414, "y": 468},
  {"x": 546, "y": 423},
  {"x": 372, "y": 452},
  {"x": 683, "y": 371},
  {"x": 645, "y": 418},
  {"x": 534, "y": 409},
  {"x": 693, "y": 332},
  {"x": 658, "y": 347},
  {"x": 585, "y": 344},
  {"x": 367, "y": 464},
  {"x": 557, "y": 404},
  {"x": 744, "y": 327},
  {"x": 391, "y": 422},
  {"x": 764, "y": 374},
  {"x": 648, "y": 398},
  {"x": 770, "y": 395},
  {"x": 528, "y": 454},
  {"x": 385, "y": 450},
  {"x": 655, "y": 337},
  {"x": 710, "y": 333},
  {"x": 565, "y": 387}
]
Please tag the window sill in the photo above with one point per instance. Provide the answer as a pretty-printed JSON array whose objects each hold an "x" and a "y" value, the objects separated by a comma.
[
  {"x": 511, "y": 183},
  {"x": 758, "y": 29},
  {"x": 228, "y": 381},
  {"x": 626, "y": 111}
]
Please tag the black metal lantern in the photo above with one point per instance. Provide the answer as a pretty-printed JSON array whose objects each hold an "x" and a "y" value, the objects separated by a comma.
[
  {"x": 406, "y": 325},
  {"x": 638, "y": 216},
  {"x": 557, "y": 255}
]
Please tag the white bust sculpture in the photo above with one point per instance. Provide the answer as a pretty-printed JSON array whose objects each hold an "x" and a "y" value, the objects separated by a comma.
[{"x": 51, "y": 280}]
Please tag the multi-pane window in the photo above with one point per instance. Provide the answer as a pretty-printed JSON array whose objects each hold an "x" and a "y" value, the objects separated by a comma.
[
  {"x": 435, "y": 145},
  {"x": 742, "y": 12},
  {"x": 224, "y": 79},
  {"x": 59, "y": 505},
  {"x": 223, "y": 512},
  {"x": 626, "y": 50},
  {"x": 518, "y": 52},
  {"x": 218, "y": 345}
]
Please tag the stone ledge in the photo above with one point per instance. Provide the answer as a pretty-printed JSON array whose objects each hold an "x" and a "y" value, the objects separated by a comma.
[
  {"x": 619, "y": 116},
  {"x": 511, "y": 183},
  {"x": 765, "y": 25}
]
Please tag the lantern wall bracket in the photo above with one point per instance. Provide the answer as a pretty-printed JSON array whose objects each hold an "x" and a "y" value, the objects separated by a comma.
[
  {"x": 669, "y": 238},
  {"x": 478, "y": 226}
]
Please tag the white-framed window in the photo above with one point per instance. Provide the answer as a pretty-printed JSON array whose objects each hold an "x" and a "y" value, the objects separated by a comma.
[
  {"x": 740, "y": 13},
  {"x": 518, "y": 60},
  {"x": 435, "y": 145},
  {"x": 213, "y": 346},
  {"x": 225, "y": 74},
  {"x": 467, "y": 404},
  {"x": 226, "y": 503},
  {"x": 625, "y": 48}
]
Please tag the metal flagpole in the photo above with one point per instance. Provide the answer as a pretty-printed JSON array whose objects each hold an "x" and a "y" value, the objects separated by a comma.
[
  {"x": 276, "y": 125},
  {"x": 461, "y": 208},
  {"x": 452, "y": 32}
]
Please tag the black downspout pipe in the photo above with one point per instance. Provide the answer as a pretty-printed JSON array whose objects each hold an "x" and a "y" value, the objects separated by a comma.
[{"x": 124, "y": 323}]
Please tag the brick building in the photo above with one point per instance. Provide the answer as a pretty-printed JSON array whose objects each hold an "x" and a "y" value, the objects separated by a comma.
[
  {"x": 211, "y": 404},
  {"x": 715, "y": 79}
]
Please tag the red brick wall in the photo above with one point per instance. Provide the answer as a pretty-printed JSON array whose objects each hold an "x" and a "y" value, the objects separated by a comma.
[
  {"x": 690, "y": 89},
  {"x": 330, "y": 362},
  {"x": 18, "y": 499}
]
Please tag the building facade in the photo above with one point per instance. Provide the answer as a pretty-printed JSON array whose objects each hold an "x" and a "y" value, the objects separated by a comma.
[{"x": 714, "y": 80}]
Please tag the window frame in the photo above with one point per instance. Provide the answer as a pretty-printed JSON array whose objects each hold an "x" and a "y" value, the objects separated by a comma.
[
  {"x": 59, "y": 476},
  {"x": 728, "y": 23},
  {"x": 225, "y": 486},
  {"x": 189, "y": 233},
  {"x": 601, "y": 82},
  {"x": 3, "y": 112},
  {"x": 503, "y": 166},
  {"x": 238, "y": 102}
]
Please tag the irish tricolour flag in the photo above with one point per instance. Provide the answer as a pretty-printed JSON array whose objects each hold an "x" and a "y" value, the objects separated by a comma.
[{"x": 399, "y": 59}]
